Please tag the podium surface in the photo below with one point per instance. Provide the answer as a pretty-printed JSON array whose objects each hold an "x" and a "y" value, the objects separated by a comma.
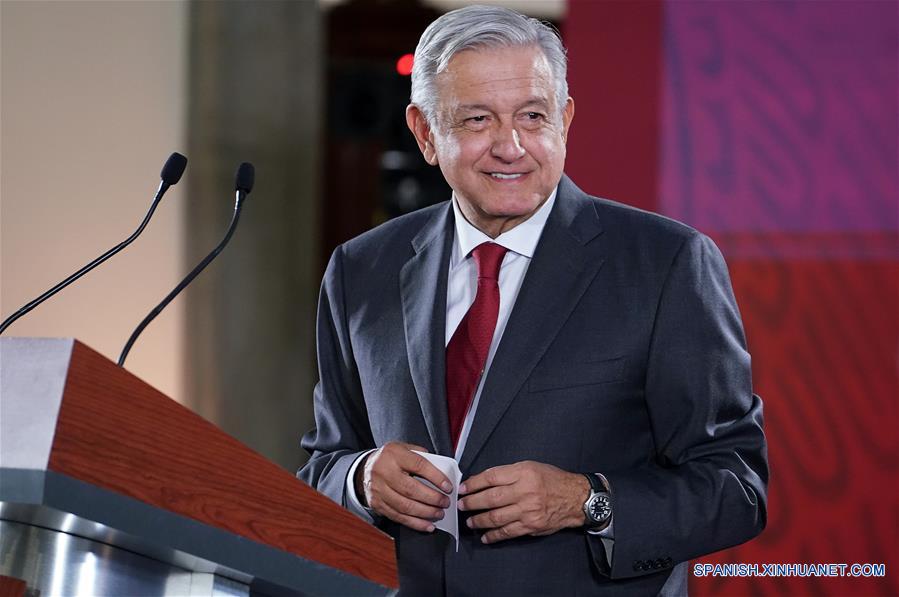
[{"x": 104, "y": 481}]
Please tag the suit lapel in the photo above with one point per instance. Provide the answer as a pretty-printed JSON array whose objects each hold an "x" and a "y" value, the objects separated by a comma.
[
  {"x": 563, "y": 266},
  {"x": 423, "y": 281}
]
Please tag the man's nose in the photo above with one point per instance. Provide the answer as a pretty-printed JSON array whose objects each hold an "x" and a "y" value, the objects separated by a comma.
[{"x": 507, "y": 144}]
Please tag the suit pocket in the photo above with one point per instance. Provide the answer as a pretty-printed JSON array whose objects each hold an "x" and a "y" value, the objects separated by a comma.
[{"x": 558, "y": 375}]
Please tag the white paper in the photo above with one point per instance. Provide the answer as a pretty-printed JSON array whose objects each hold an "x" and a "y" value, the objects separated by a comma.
[{"x": 450, "y": 468}]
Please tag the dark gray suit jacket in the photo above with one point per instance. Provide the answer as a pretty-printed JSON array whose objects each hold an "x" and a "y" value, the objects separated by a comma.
[{"x": 624, "y": 354}]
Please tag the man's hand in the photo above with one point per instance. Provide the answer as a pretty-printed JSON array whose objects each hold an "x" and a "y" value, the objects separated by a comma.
[
  {"x": 390, "y": 490},
  {"x": 526, "y": 498}
]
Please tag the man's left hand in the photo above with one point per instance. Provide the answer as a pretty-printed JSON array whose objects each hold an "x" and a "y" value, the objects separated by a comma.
[{"x": 525, "y": 498}]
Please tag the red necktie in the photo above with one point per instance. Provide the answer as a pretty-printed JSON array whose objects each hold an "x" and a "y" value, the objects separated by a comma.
[{"x": 466, "y": 353}]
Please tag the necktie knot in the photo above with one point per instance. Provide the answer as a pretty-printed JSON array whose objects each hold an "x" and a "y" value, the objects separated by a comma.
[{"x": 489, "y": 257}]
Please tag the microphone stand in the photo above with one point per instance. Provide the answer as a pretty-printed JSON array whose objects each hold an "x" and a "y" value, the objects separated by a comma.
[{"x": 241, "y": 194}]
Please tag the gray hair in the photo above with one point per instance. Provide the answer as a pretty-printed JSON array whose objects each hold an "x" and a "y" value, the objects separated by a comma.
[{"x": 477, "y": 27}]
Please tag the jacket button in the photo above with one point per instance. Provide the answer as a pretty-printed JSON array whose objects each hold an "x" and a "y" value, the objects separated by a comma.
[
  {"x": 638, "y": 565},
  {"x": 667, "y": 561},
  {"x": 660, "y": 563}
]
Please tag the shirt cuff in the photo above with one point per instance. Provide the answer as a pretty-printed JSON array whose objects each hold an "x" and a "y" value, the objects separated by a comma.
[{"x": 351, "y": 500}]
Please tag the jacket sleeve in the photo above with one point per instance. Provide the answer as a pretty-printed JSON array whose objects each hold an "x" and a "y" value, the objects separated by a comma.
[
  {"x": 341, "y": 431},
  {"x": 704, "y": 488}
]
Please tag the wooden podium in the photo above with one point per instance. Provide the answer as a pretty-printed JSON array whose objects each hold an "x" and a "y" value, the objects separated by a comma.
[{"x": 108, "y": 487}]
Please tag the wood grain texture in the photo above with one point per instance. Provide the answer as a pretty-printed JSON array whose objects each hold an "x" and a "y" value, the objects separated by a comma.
[
  {"x": 118, "y": 433},
  {"x": 12, "y": 587}
]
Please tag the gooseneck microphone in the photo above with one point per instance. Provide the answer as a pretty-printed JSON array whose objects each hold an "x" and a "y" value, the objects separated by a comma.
[
  {"x": 246, "y": 175},
  {"x": 170, "y": 175}
]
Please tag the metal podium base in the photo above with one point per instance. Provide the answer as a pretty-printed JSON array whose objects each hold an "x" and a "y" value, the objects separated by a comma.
[{"x": 57, "y": 563}]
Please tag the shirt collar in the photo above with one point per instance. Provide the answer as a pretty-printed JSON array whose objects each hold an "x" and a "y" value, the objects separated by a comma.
[{"x": 521, "y": 239}]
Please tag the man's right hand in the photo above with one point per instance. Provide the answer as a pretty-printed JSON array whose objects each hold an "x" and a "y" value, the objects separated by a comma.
[{"x": 384, "y": 482}]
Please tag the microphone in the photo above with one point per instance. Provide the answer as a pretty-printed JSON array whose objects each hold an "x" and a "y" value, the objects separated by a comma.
[
  {"x": 170, "y": 175},
  {"x": 246, "y": 176}
]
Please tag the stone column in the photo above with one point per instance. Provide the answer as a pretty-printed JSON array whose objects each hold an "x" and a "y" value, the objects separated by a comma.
[{"x": 254, "y": 95}]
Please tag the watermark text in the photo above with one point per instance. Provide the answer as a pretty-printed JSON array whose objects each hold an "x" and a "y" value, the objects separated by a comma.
[{"x": 799, "y": 570}]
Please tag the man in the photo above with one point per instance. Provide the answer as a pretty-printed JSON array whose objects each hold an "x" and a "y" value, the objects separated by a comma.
[{"x": 583, "y": 361}]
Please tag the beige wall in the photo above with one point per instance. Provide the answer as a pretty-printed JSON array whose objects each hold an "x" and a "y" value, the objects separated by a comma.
[{"x": 92, "y": 101}]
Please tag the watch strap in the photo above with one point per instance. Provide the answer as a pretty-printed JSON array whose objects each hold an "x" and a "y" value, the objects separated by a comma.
[{"x": 595, "y": 484}]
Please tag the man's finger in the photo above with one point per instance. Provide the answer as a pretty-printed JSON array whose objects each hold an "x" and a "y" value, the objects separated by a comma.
[
  {"x": 418, "y": 465},
  {"x": 425, "y": 526},
  {"x": 490, "y": 498},
  {"x": 410, "y": 507},
  {"x": 416, "y": 490},
  {"x": 498, "y": 475},
  {"x": 510, "y": 531},
  {"x": 396, "y": 461},
  {"x": 495, "y": 519}
]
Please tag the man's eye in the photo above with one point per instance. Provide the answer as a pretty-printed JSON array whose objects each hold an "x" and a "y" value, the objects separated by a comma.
[
  {"x": 534, "y": 115},
  {"x": 477, "y": 119}
]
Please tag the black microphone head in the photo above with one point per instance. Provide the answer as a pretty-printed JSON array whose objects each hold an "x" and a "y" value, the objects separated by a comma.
[
  {"x": 173, "y": 169},
  {"x": 246, "y": 176}
]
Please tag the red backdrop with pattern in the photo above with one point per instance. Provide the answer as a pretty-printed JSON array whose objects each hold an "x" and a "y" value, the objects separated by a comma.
[{"x": 772, "y": 127}]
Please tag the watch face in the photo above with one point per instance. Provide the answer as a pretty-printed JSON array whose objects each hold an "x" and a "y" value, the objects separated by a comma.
[{"x": 600, "y": 507}]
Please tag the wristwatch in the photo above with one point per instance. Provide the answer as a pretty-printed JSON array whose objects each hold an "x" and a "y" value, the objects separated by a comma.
[{"x": 598, "y": 507}]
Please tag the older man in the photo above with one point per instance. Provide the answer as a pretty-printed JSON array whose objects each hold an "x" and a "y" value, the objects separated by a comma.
[{"x": 583, "y": 361}]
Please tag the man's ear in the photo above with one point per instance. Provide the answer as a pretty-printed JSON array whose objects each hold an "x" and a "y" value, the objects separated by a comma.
[
  {"x": 567, "y": 117},
  {"x": 420, "y": 128}
]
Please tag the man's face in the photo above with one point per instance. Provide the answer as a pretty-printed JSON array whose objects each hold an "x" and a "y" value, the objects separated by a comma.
[{"x": 499, "y": 137}]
